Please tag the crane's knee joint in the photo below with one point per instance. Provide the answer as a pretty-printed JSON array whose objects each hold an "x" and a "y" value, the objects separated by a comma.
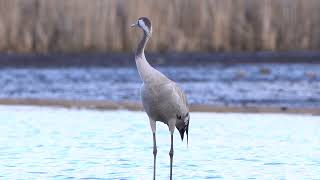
[
  {"x": 171, "y": 153},
  {"x": 155, "y": 151}
]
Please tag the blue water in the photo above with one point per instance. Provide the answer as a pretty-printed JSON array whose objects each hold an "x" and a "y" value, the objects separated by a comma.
[
  {"x": 280, "y": 85},
  {"x": 54, "y": 143}
]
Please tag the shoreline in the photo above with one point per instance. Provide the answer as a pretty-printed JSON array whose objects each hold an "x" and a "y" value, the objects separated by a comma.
[
  {"x": 135, "y": 106},
  {"x": 63, "y": 60}
]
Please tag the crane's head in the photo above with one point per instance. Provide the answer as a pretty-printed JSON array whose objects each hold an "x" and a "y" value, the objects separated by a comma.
[{"x": 145, "y": 24}]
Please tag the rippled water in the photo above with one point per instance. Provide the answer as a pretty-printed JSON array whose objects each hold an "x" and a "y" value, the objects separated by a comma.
[
  {"x": 53, "y": 143},
  {"x": 238, "y": 84}
]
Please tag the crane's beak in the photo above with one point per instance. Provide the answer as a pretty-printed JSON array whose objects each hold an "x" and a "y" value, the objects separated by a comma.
[{"x": 134, "y": 25}]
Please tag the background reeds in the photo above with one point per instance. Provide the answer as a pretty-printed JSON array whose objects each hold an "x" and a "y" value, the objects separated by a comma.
[{"x": 178, "y": 25}]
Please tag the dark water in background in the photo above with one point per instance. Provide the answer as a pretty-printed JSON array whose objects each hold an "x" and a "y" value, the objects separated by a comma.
[{"x": 266, "y": 84}]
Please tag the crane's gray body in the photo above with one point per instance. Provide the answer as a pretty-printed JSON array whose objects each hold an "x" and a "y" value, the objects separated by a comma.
[{"x": 163, "y": 100}]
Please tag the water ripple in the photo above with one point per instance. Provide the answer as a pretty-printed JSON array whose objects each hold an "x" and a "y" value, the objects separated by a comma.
[
  {"x": 273, "y": 163},
  {"x": 245, "y": 159},
  {"x": 38, "y": 172},
  {"x": 213, "y": 177}
]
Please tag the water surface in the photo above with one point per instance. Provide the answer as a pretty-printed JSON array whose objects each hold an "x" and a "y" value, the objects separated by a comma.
[
  {"x": 288, "y": 85},
  {"x": 54, "y": 143}
]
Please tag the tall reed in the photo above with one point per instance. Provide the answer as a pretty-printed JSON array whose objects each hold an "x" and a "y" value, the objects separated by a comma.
[{"x": 178, "y": 25}]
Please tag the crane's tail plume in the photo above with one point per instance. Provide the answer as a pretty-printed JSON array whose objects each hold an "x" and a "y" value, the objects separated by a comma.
[
  {"x": 187, "y": 130},
  {"x": 183, "y": 130}
]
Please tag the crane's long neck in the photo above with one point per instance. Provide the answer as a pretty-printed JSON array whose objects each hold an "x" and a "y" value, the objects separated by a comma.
[
  {"x": 142, "y": 44},
  {"x": 144, "y": 68}
]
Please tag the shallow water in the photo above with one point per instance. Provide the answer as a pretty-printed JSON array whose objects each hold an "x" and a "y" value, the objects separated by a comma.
[
  {"x": 54, "y": 143},
  {"x": 290, "y": 85}
]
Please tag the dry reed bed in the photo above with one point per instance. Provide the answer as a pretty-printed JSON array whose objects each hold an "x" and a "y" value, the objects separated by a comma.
[{"x": 179, "y": 25}]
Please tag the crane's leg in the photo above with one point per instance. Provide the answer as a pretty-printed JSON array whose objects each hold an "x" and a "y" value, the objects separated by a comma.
[
  {"x": 172, "y": 125},
  {"x": 171, "y": 156},
  {"x": 153, "y": 128},
  {"x": 154, "y": 155}
]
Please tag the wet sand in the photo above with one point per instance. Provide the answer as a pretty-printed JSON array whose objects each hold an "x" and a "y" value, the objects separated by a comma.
[{"x": 134, "y": 106}]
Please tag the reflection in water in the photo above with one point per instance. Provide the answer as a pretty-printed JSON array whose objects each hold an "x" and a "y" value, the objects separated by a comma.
[{"x": 51, "y": 143}]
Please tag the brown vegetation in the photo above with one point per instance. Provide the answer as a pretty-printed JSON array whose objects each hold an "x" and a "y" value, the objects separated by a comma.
[{"x": 178, "y": 25}]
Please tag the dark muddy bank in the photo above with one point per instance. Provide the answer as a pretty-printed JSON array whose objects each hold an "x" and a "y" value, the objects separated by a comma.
[{"x": 168, "y": 59}]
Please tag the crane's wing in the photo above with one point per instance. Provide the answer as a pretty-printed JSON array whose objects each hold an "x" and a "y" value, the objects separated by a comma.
[
  {"x": 180, "y": 98},
  {"x": 181, "y": 94}
]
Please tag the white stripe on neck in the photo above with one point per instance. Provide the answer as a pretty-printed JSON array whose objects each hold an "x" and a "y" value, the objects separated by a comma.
[{"x": 143, "y": 25}]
